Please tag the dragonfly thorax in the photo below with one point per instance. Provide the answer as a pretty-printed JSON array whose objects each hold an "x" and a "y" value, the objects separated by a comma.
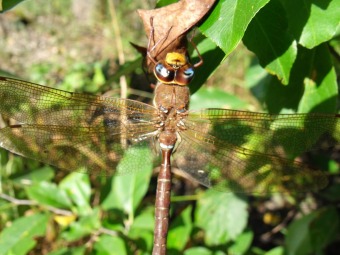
[
  {"x": 167, "y": 140},
  {"x": 168, "y": 96}
]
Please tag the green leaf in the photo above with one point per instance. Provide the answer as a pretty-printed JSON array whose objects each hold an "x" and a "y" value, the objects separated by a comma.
[
  {"x": 256, "y": 80},
  {"x": 77, "y": 186},
  {"x": 126, "y": 69},
  {"x": 49, "y": 194},
  {"x": 268, "y": 38},
  {"x": 298, "y": 239},
  {"x": 69, "y": 251},
  {"x": 276, "y": 251},
  {"x": 162, "y": 3},
  {"x": 312, "y": 22},
  {"x": 180, "y": 230},
  {"x": 18, "y": 238},
  {"x": 142, "y": 228},
  {"x": 325, "y": 228},
  {"x": 8, "y": 4},
  {"x": 84, "y": 226},
  {"x": 332, "y": 193},
  {"x": 45, "y": 173},
  {"x": 229, "y": 20},
  {"x": 215, "y": 206},
  {"x": 144, "y": 220},
  {"x": 312, "y": 86},
  {"x": 242, "y": 243},
  {"x": 212, "y": 57},
  {"x": 98, "y": 77},
  {"x": 214, "y": 97},
  {"x": 107, "y": 245},
  {"x": 321, "y": 88},
  {"x": 311, "y": 233},
  {"x": 198, "y": 251},
  {"x": 128, "y": 190}
]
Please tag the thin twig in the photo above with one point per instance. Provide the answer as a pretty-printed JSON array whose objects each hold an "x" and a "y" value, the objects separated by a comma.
[
  {"x": 16, "y": 201},
  {"x": 96, "y": 234},
  {"x": 119, "y": 46},
  {"x": 107, "y": 231},
  {"x": 279, "y": 227},
  {"x": 59, "y": 211}
]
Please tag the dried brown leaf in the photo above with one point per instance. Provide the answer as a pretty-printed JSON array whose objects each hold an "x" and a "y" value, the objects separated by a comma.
[{"x": 170, "y": 24}]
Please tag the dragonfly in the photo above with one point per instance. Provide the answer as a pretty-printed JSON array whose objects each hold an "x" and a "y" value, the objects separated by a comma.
[{"x": 223, "y": 149}]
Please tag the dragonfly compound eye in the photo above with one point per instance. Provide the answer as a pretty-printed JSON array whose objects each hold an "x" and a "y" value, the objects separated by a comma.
[
  {"x": 189, "y": 73},
  {"x": 184, "y": 76},
  {"x": 163, "y": 74}
]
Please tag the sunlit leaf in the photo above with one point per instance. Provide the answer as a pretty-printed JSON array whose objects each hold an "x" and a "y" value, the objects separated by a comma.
[
  {"x": 229, "y": 20},
  {"x": 98, "y": 77},
  {"x": 242, "y": 243},
  {"x": 198, "y": 251},
  {"x": 19, "y": 238},
  {"x": 78, "y": 188},
  {"x": 312, "y": 22},
  {"x": 312, "y": 86},
  {"x": 321, "y": 88},
  {"x": 84, "y": 226},
  {"x": 128, "y": 190},
  {"x": 107, "y": 245},
  {"x": 276, "y": 251},
  {"x": 215, "y": 98},
  {"x": 142, "y": 228},
  {"x": 180, "y": 230},
  {"x": 144, "y": 220},
  {"x": 256, "y": 80},
  {"x": 69, "y": 251},
  {"x": 45, "y": 173},
  {"x": 49, "y": 194},
  {"x": 8, "y": 4},
  {"x": 223, "y": 216}
]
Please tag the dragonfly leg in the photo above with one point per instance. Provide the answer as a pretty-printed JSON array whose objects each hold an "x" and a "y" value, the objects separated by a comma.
[{"x": 150, "y": 48}]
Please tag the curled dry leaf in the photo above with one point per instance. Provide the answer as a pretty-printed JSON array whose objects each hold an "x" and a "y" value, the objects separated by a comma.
[{"x": 168, "y": 26}]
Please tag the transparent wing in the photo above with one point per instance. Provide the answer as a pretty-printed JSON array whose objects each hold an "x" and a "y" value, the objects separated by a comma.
[
  {"x": 71, "y": 130},
  {"x": 267, "y": 133},
  {"x": 250, "y": 152},
  {"x": 30, "y": 103}
]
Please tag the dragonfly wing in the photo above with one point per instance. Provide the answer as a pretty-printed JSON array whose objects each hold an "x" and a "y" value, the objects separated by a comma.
[
  {"x": 95, "y": 151},
  {"x": 35, "y": 104},
  {"x": 274, "y": 134},
  {"x": 72, "y": 130},
  {"x": 224, "y": 166}
]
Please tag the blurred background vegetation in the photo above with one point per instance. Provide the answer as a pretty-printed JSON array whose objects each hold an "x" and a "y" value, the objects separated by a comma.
[{"x": 84, "y": 46}]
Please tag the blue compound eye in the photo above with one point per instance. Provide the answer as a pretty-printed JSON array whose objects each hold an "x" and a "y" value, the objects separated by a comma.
[
  {"x": 189, "y": 73},
  {"x": 161, "y": 70},
  {"x": 163, "y": 74},
  {"x": 184, "y": 76}
]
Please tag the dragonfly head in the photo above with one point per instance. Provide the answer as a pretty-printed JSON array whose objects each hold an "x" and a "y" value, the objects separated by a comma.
[{"x": 175, "y": 69}]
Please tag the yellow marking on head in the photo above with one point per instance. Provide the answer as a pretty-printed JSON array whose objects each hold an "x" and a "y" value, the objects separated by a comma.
[{"x": 176, "y": 59}]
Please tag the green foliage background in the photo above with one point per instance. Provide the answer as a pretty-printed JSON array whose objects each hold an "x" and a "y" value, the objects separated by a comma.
[{"x": 282, "y": 57}]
